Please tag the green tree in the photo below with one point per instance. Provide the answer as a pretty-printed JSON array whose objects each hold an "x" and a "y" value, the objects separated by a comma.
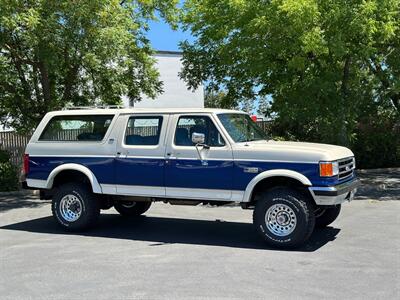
[
  {"x": 216, "y": 99},
  {"x": 54, "y": 53},
  {"x": 326, "y": 63},
  {"x": 220, "y": 99}
]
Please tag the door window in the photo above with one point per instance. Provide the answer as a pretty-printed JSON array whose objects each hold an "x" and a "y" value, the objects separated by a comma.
[
  {"x": 143, "y": 130},
  {"x": 187, "y": 125}
]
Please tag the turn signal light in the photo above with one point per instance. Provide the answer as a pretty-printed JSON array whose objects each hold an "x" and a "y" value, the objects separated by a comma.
[{"x": 328, "y": 169}]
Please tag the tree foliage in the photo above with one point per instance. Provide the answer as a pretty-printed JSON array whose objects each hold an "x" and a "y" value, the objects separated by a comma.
[
  {"x": 54, "y": 53},
  {"x": 8, "y": 173},
  {"x": 328, "y": 64},
  {"x": 219, "y": 99}
]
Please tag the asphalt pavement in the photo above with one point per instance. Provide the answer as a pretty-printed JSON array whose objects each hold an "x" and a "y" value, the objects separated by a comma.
[{"x": 177, "y": 252}]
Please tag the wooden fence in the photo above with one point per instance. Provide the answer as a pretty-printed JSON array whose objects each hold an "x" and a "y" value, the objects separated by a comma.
[{"x": 15, "y": 144}]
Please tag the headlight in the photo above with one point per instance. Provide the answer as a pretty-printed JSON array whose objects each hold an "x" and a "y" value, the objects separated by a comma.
[{"x": 328, "y": 168}]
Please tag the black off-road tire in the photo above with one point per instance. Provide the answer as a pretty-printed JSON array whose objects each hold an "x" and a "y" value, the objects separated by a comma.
[
  {"x": 89, "y": 206},
  {"x": 132, "y": 208},
  {"x": 297, "y": 207},
  {"x": 327, "y": 216}
]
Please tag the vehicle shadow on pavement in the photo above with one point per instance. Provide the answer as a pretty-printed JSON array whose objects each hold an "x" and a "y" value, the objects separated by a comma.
[
  {"x": 160, "y": 231},
  {"x": 9, "y": 202}
]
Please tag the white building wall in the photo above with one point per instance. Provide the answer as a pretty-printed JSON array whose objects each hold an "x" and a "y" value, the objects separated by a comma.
[{"x": 176, "y": 94}]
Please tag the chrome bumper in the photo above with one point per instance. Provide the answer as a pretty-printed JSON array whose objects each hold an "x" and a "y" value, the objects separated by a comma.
[{"x": 334, "y": 195}]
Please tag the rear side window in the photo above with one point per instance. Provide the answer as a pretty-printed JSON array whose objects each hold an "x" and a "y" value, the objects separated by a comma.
[
  {"x": 143, "y": 130},
  {"x": 77, "y": 128}
]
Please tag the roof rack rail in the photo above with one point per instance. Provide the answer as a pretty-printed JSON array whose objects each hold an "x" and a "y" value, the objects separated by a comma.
[{"x": 93, "y": 107}]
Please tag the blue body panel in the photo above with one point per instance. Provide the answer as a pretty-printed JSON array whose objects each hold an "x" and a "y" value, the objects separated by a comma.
[
  {"x": 103, "y": 167},
  {"x": 139, "y": 171},
  {"x": 218, "y": 174},
  {"x": 309, "y": 170}
]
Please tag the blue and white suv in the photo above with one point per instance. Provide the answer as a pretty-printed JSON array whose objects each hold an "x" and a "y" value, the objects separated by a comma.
[{"x": 93, "y": 159}]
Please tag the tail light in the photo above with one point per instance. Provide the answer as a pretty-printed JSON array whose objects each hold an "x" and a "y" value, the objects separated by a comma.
[{"x": 26, "y": 164}]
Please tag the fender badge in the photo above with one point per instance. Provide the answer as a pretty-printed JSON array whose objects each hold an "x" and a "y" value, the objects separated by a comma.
[{"x": 250, "y": 170}]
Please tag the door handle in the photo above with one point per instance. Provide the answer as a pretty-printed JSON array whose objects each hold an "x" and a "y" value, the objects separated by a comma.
[
  {"x": 120, "y": 155},
  {"x": 171, "y": 156}
]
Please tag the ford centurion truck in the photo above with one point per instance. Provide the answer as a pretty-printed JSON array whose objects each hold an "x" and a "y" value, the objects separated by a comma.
[{"x": 87, "y": 160}]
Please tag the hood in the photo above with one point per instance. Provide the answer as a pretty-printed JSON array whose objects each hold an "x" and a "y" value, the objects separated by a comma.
[{"x": 291, "y": 151}]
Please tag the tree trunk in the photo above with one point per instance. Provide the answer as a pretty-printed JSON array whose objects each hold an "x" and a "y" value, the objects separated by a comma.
[
  {"x": 45, "y": 82},
  {"x": 342, "y": 134}
]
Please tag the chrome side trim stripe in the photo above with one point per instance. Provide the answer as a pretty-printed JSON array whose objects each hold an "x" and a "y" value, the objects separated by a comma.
[
  {"x": 173, "y": 192},
  {"x": 177, "y": 158}
]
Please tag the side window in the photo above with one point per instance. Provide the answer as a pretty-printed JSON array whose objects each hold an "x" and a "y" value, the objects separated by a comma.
[
  {"x": 76, "y": 128},
  {"x": 187, "y": 125},
  {"x": 143, "y": 130}
]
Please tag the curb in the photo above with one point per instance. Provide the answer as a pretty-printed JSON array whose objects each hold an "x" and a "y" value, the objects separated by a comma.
[
  {"x": 20, "y": 193},
  {"x": 377, "y": 170}
]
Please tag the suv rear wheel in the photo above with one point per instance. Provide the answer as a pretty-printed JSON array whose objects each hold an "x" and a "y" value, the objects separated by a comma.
[
  {"x": 75, "y": 207},
  {"x": 132, "y": 208},
  {"x": 284, "y": 217}
]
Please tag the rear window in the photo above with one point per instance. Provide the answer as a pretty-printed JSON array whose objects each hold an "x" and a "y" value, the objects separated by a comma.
[{"x": 77, "y": 128}]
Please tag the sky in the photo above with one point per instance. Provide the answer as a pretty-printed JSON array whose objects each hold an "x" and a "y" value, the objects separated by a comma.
[{"x": 162, "y": 37}]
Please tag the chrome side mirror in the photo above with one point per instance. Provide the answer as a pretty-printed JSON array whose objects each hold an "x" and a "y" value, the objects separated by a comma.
[{"x": 198, "y": 138}]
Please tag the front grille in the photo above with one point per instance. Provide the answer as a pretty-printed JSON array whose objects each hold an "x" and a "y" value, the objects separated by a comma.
[{"x": 346, "y": 167}]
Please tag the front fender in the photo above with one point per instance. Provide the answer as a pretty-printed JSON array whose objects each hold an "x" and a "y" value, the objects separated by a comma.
[
  {"x": 274, "y": 173},
  {"x": 76, "y": 167}
]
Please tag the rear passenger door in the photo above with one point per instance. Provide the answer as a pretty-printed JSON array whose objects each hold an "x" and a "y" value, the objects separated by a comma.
[
  {"x": 140, "y": 160},
  {"x": 202, "y": 173}
]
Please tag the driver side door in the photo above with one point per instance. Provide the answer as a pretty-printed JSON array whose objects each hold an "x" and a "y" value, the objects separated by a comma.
[{"x": 202, "y": 173}]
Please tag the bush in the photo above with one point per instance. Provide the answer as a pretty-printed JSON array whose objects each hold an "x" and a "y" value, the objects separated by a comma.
[
  {"x": 377, "y": 144},
  {"x": 375, "y": 141},
  {"x": 8, "y": 173}
]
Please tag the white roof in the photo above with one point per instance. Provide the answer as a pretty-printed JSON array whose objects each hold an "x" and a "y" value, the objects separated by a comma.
[{"x": 142, "y": 110}]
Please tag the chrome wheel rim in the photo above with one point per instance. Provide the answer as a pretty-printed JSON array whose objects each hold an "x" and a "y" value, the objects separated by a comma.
[
  {"x": 128, "y": 204},
  {"x": 280, "y": 219},
  {"x": 70, "y": 208}
]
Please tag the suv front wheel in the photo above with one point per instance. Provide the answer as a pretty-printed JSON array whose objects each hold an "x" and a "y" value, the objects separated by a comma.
[
  {"x": 75, "y": 207},
  {"x": 284, "y": 217}
]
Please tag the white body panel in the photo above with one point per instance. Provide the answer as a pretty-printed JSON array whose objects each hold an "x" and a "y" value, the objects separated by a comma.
[
  {"x": 277, "y": 172},
  {"x": 276, "y": 151}
]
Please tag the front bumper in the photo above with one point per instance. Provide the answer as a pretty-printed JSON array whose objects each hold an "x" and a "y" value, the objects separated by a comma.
[{"x": 333, "y": 195}]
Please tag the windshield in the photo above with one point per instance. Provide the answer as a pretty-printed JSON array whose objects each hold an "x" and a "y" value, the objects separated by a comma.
[{"x": 242, "y": 128}]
